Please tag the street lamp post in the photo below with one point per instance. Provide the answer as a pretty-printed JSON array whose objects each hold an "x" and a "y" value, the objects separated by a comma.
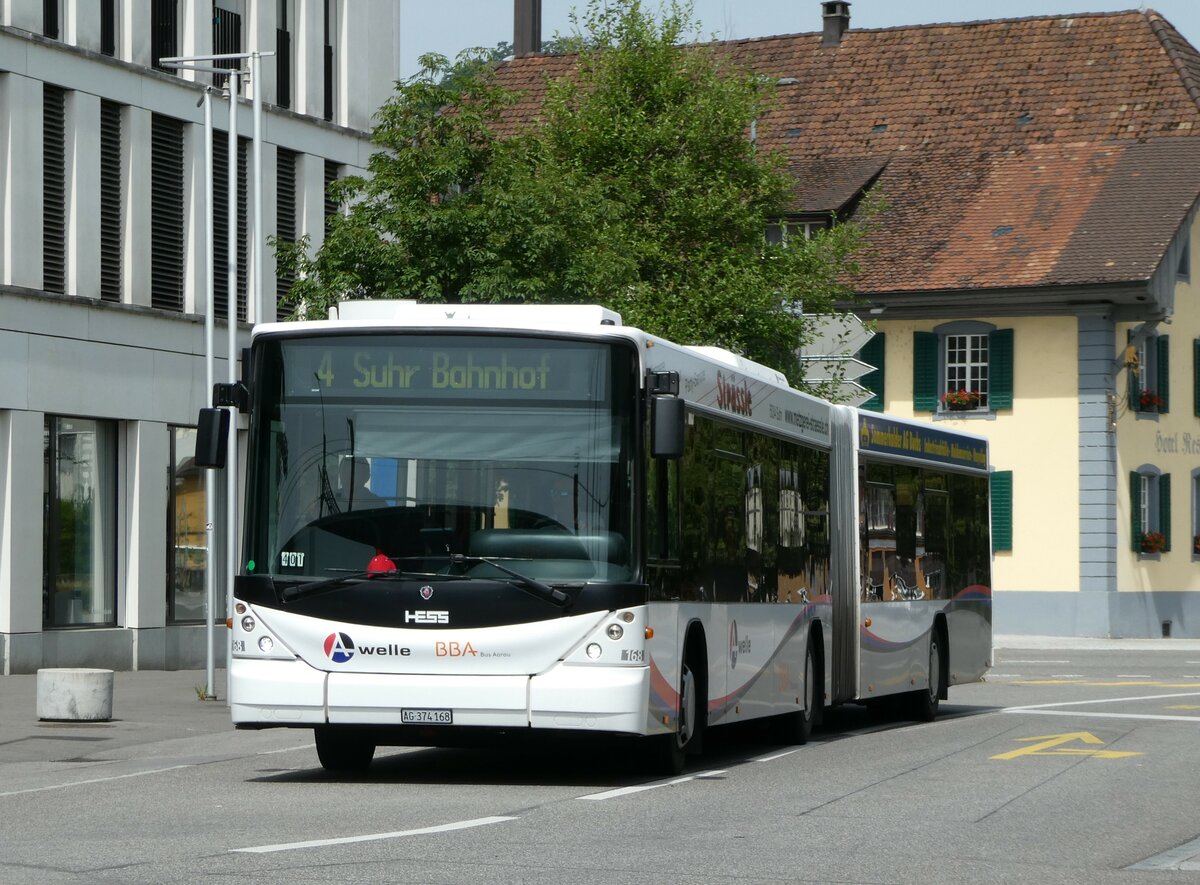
[{"x": 234, "y": 77}]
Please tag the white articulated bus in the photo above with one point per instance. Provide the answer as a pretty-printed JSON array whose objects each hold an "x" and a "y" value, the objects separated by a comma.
[{"x": 463, "y": 520}]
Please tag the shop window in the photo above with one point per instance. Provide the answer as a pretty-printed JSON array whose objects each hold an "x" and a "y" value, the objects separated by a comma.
[
  {"x": 187, "y": 540},
  {"x": 79, "y": 522}
]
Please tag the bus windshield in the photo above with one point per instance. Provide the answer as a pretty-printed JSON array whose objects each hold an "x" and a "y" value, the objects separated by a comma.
[{"x": 408, "y": 452}]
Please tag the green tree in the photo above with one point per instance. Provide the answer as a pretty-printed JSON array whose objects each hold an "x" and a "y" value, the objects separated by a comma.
[{"x": 639, "y": 188}]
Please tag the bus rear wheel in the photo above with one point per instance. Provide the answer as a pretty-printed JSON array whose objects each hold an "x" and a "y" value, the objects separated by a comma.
[
  {"x": 796, "y": 727},
  {"x": 342, "y": 750},
  {"x": 923, "y": 704}
]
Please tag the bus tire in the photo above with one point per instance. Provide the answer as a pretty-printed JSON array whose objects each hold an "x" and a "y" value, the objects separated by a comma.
[
  {"x": 796, "y": 727},
  {"x": 341, "y": 750},
  {"x": 923, "y": 704},
  {"x": 671, "y": 750}
]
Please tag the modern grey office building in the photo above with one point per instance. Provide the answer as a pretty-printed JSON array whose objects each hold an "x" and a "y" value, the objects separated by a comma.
[{"x": 104, "y": 287}]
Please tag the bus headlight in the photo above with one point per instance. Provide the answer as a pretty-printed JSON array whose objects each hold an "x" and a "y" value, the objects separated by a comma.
[
  {"x": 615, "y": 632},
  {"x": 265, "y": 644},
  {"x": 593, "y": 650},
  {"x": 248, "y": 624}
]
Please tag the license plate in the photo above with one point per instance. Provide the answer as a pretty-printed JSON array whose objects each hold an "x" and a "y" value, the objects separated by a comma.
[{"x": 426, "y": 716}]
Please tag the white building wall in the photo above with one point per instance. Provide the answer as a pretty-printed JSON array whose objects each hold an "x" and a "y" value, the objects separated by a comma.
[
  {"x": 83, "y": 194},
  {"x": 21, "y": 153},
  {"x": 141, "y": 368}
]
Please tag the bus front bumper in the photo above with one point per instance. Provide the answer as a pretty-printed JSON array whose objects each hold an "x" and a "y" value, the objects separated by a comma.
[{"x": 267, "y": 693}]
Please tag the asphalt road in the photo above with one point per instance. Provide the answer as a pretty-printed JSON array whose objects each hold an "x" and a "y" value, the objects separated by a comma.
[{"x": 1066, "y": 765}]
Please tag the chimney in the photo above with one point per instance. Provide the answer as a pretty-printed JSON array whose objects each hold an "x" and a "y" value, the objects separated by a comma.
[
  {"x": 527, "y": 27},
  {"x": 836, "y": 14}
]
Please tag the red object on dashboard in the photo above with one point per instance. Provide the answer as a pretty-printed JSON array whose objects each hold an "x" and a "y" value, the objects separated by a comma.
[{"x": 380, "y": 563}]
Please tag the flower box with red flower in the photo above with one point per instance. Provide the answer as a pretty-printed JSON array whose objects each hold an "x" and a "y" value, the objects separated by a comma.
[
  {"x": 960, "y": 400},
  {"x": 1154, "y": 542},
  {"x": 1149, "y": 401}
]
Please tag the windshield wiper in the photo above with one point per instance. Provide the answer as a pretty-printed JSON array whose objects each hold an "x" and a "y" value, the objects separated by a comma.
[
  {"x": 534, "y": 586},
  {"x": 292, "y": 593}
]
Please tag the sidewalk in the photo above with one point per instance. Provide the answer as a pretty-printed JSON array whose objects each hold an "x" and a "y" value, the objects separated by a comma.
[
  {"x": 149, "y": 707},
  {"x": 1084, "y": 643}
]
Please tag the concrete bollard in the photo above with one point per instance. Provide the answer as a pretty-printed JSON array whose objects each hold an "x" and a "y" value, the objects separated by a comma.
[{"x": 77, "y": 694}]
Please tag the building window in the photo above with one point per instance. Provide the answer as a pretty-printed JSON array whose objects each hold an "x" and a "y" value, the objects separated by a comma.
[
  {"x": 285, "y": 211},
  {"x": 52, "y": 19},
  {"x": 1150, "y": 378},
  {"x": 1150, "y": 510},
  {"x": 221, "y": 240},
  {"x": 108, "y": 27},
  {"x": 54, "y": 189},
  {"x": 963, "y": 367},
  {"x": 1196, "y": 511},
  {"x": 873, "y": 353},
  {"x": 331, "y": 205},
  {"x": 226, "y": 35},
  {"x": 79, "y": 522},
  {"x": 283, "y": 54},
  {"x": 331, "y": 24},
  {"x": 166, "y": 212},
  {"x": 1183, "y": 270},
  {"x": 187, "y": 540},
  {"x": 164, "y": 32},
  {"x": 779, "y": 233},
  {"x": 111, "y": 190}
]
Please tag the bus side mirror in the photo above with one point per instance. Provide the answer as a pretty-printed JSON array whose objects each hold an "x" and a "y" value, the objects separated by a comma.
[
  {"x": 667, "y": 420},
  {"x": 212, "y": 438}
]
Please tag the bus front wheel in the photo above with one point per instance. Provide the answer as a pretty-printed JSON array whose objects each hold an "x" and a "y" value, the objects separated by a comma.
[
  {"x": 342, "y": 750},
  {"x": 671, "y": 750}
]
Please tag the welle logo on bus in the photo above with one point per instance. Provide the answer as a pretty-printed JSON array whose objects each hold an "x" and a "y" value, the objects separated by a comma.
[{"x": 411, "y": 370}]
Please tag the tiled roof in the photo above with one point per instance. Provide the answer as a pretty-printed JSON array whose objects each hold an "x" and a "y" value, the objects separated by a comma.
[{"x": 1041, "y": 151}]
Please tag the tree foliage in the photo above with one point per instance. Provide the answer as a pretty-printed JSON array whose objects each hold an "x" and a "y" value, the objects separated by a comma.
[{"x": 639, "y": 188}]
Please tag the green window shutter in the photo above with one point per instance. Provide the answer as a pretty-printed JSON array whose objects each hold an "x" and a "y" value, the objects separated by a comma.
[
  {"x": 1164, "y": 507},
  {"x": 1196, "y": 376},
  {"x": 1001, "y": 482},
  {"x": 1000, "y": 369},
  {"x": 1135, "y": 400},
  {"x": 1135, "y": 511},
  {"x": 1163, "y": 354},
  {"x": 925, "y": 371},
  {"x": 872, "y": 354}
]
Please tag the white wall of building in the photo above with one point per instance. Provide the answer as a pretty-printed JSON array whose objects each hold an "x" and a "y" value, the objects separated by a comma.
[{"x": 135, "y": 367}]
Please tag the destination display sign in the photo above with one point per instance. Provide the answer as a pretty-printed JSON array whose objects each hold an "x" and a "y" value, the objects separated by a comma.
[
  {"x": 878, "y": 434},
  {"x": 392, "y": 367}
]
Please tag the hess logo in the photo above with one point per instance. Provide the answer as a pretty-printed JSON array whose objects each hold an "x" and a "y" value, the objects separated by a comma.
[{"x": 426, "y": 617}]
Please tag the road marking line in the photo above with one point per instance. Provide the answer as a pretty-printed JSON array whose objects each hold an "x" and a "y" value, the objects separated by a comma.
[
  {"x": 1037, "y": 662},
  {"x": 1052, "y": 745},
  {"x": 95, "y": 780},
  {"x": 1063, "y": 680},
  {"x": 1104, "y": 715},
  {"x": 775, "y": 756},
  {"x": 1133, "y": 675},
  {"x": 1148, "y": 697},
  {"x": 373, "y": 837},
  {"x": 1183, "y": 707},
  {"x": 627, "y": 791},
  {"x": 1173, "y": 859}
]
